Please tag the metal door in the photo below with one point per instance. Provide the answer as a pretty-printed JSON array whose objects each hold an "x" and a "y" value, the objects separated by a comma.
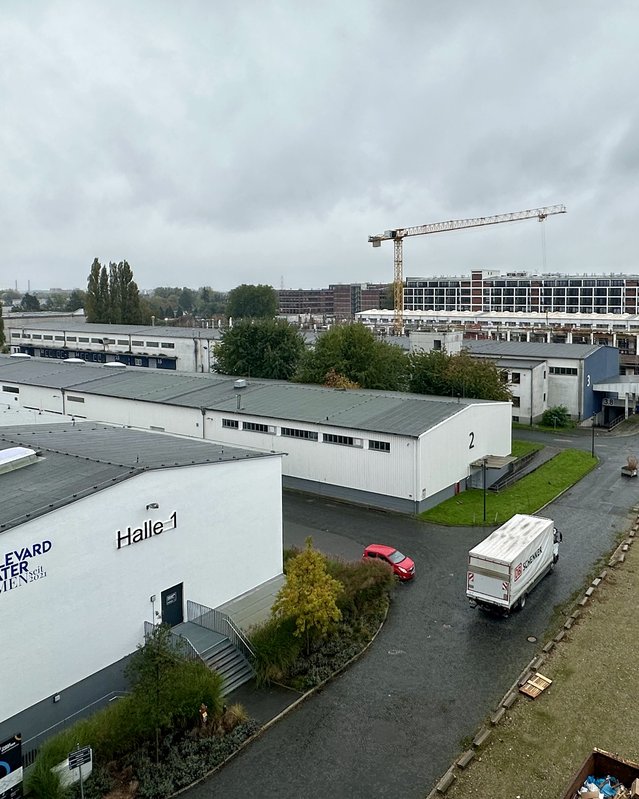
[{"x": 172, "y": 606}]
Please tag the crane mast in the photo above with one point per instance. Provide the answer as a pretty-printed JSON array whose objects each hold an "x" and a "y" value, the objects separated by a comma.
[{"x": 397, "y": 237}]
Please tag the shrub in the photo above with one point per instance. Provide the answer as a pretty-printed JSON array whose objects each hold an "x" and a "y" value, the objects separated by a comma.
[
  {"x": 365, "y": 584},
  {"x": 276, "y": 649},
  {"x": 556, "y": 416}
]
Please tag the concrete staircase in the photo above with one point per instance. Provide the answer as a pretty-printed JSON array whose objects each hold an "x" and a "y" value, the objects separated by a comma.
[{"x": 229, "y": 663}]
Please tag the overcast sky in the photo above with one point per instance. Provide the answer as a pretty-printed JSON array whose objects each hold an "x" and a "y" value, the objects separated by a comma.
[{"x": 218, "y": 143}]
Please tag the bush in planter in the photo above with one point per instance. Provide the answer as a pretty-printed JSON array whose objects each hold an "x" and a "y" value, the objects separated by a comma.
[
  {"x": 276, "y": 649},
  {"x": 556, "y": 416}
]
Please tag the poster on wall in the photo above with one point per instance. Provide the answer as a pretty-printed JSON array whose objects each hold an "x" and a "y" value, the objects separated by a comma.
[{"x": 11, "y": 768}]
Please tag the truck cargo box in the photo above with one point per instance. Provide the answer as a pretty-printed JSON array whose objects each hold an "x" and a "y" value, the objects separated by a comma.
[{"x": 505, "y": 566}]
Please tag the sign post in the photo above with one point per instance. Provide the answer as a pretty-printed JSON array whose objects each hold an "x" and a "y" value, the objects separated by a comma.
[{"x": 77, "y": 759}]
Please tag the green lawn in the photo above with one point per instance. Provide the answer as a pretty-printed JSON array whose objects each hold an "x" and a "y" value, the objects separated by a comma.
[
  {"x": 521, "y": 448},
  {"x": 526, "y": 496}
]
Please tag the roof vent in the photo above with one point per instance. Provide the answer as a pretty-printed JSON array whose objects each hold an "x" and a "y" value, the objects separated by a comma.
[
  {"x": 73, "y": 360},
  {"x": 239, "y": 383},
  {"x": 20, "y": 356},
  {"x": 15, "y": 458}
]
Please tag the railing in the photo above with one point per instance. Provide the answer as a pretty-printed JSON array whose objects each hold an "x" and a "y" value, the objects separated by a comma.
[
  {"x": 220, "y": 623},
  {"x": 617, "y": 420},
  {"x": 31, "y": 746},
  {"x": 180, "y": 643}
]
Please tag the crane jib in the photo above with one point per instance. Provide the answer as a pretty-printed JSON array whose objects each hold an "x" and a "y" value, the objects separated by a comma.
[{"x": 439, "y": 227}]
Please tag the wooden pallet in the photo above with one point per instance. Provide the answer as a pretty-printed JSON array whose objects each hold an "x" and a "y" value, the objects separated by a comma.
[{"x": 535, "y": 685}]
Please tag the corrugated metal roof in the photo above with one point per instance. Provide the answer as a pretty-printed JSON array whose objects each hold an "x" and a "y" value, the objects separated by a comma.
[
  {"x": 379, "y": 411},
  {"x": 80, "y": 459},
  {"x": 93, "y": 329},
  {"x": 530, "y": 349},
  {"x": 518, "y": 363}
]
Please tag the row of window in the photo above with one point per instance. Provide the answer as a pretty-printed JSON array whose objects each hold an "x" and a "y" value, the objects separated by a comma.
[
  {"x": 308, "y": 435},
  {"x": 563, "y": 370},
  {"x": 122, "y": 342},
  {"x": 258, "y": 427}
]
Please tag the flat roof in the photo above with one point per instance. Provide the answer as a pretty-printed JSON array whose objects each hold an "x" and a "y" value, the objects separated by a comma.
[
  {"x": 368, "y": 410},
  {"x": 530, "y": 349},
  {"x": 76, "y": 460}
]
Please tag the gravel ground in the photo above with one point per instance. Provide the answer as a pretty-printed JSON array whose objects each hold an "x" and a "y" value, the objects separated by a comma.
[{"x": 591, "y": 703}]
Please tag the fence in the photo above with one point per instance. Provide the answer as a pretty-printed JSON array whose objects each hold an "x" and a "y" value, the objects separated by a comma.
[{"x": 220, "y": 623}]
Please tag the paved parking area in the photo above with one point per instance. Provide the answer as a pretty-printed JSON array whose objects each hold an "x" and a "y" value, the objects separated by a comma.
[{"x": 392, "y": 724}]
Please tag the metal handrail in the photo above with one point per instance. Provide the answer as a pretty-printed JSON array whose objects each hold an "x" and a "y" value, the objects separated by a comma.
[
  {"x": 180, "y": 643},
  {"x": 218, "y": 622}
]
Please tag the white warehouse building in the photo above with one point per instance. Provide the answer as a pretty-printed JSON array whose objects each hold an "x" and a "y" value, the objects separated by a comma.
[
  {"x": 105, "y": 531},
  {"x": 389, "y": 450}
]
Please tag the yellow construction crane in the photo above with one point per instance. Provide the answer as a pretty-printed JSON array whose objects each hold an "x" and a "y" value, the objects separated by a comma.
[{"x": 400, "y": 234}]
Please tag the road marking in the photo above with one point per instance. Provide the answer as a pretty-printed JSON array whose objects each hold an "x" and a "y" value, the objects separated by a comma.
[{"x": 396, "y": 652}]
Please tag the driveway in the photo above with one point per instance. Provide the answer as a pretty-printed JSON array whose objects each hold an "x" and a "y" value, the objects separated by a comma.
[{"x": 392, "y": 724}]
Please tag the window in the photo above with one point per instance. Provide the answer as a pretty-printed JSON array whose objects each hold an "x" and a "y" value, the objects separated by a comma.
[
  {"x": 169, "y": 345},
  {"x": 232, "y": 423},
  {"x": 83, "y": 338},
  {"x": 345, "y": 441},
  {"x": 293, "y": 432},
  {"x": 48, "y": 338},
  {"x": 137, "y": 343},
  {"x": 152, "y": 344},
  {"x": 562, "y": 370},
  {"x": 97, "y": 341},
  {"x": 59, "y": 338},
  {"x": 15, "y": 335},
  {"x": 516, "y": 402},
  {"x": 75, "y": 399},
  {"x": 516, "y": 378},
  {"x": 11, "y": 389},
  {"x": 255, "y": 427},
  {"x": 37, "y": 335},
  {"x": 123, "y": 342},
  {"x": 379, "y": 446},
  {"x": 71, "y": 338}
]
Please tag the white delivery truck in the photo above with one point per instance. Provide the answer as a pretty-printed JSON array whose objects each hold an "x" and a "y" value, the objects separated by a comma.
[{"x": 505, "y": 567}]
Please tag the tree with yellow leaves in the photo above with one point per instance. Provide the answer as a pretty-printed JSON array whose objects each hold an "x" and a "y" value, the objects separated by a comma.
[{"x": 309, "y": 595}]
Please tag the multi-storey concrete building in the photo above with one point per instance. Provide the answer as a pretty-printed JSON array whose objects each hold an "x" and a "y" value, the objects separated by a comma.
[{"x": 488, "y": 290}]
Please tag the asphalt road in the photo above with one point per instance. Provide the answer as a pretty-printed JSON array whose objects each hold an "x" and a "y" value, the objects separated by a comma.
[{"x": 393, "y": 723}]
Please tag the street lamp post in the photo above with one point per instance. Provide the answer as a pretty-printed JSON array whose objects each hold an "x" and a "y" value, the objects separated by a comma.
[
  {"x": 484, "y": 481},
  {"x": 592, "y": 444}
]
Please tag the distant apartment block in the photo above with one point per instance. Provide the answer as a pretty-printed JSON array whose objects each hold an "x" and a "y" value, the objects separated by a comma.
[
  {"x": 489, "y": 290},
  {"x": 339, "y": 301}
]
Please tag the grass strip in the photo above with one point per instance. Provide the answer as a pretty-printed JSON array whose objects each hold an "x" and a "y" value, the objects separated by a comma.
[
  {"x": 521, "y": 448},
  {"x": 526, "y": 496}
]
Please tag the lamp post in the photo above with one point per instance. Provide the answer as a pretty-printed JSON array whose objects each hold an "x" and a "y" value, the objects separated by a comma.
[
  {"x": 592, "y": 444},
  {"x": 484, "y": 481}
]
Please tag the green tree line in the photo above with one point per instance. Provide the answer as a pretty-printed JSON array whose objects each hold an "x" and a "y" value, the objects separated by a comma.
[{"x": 349, "y": 356}]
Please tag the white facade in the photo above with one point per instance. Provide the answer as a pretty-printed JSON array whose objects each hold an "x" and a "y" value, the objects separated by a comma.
[
  {"x": 451, "y": 341},
  {"x": 84, "y": 600},
  {"x": 171, "y": 348}
]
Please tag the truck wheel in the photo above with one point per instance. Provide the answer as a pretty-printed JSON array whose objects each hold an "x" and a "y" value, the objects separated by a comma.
[{"x": 522, "y": 603}]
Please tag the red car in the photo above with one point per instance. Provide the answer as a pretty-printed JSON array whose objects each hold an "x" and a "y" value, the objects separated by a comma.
[{"x": 403, "y": 567}]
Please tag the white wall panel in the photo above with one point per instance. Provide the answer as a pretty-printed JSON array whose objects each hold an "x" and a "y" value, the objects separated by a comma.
[{"x": 87, "y": 608}]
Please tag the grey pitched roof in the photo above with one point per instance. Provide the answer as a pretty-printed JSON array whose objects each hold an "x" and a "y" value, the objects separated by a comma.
[
  {"x": 78, "y": 460},
  {"x": 91, "y": 328},
  {"x": 529, "y": 349},
  {"x": 376, "y": 411}
]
